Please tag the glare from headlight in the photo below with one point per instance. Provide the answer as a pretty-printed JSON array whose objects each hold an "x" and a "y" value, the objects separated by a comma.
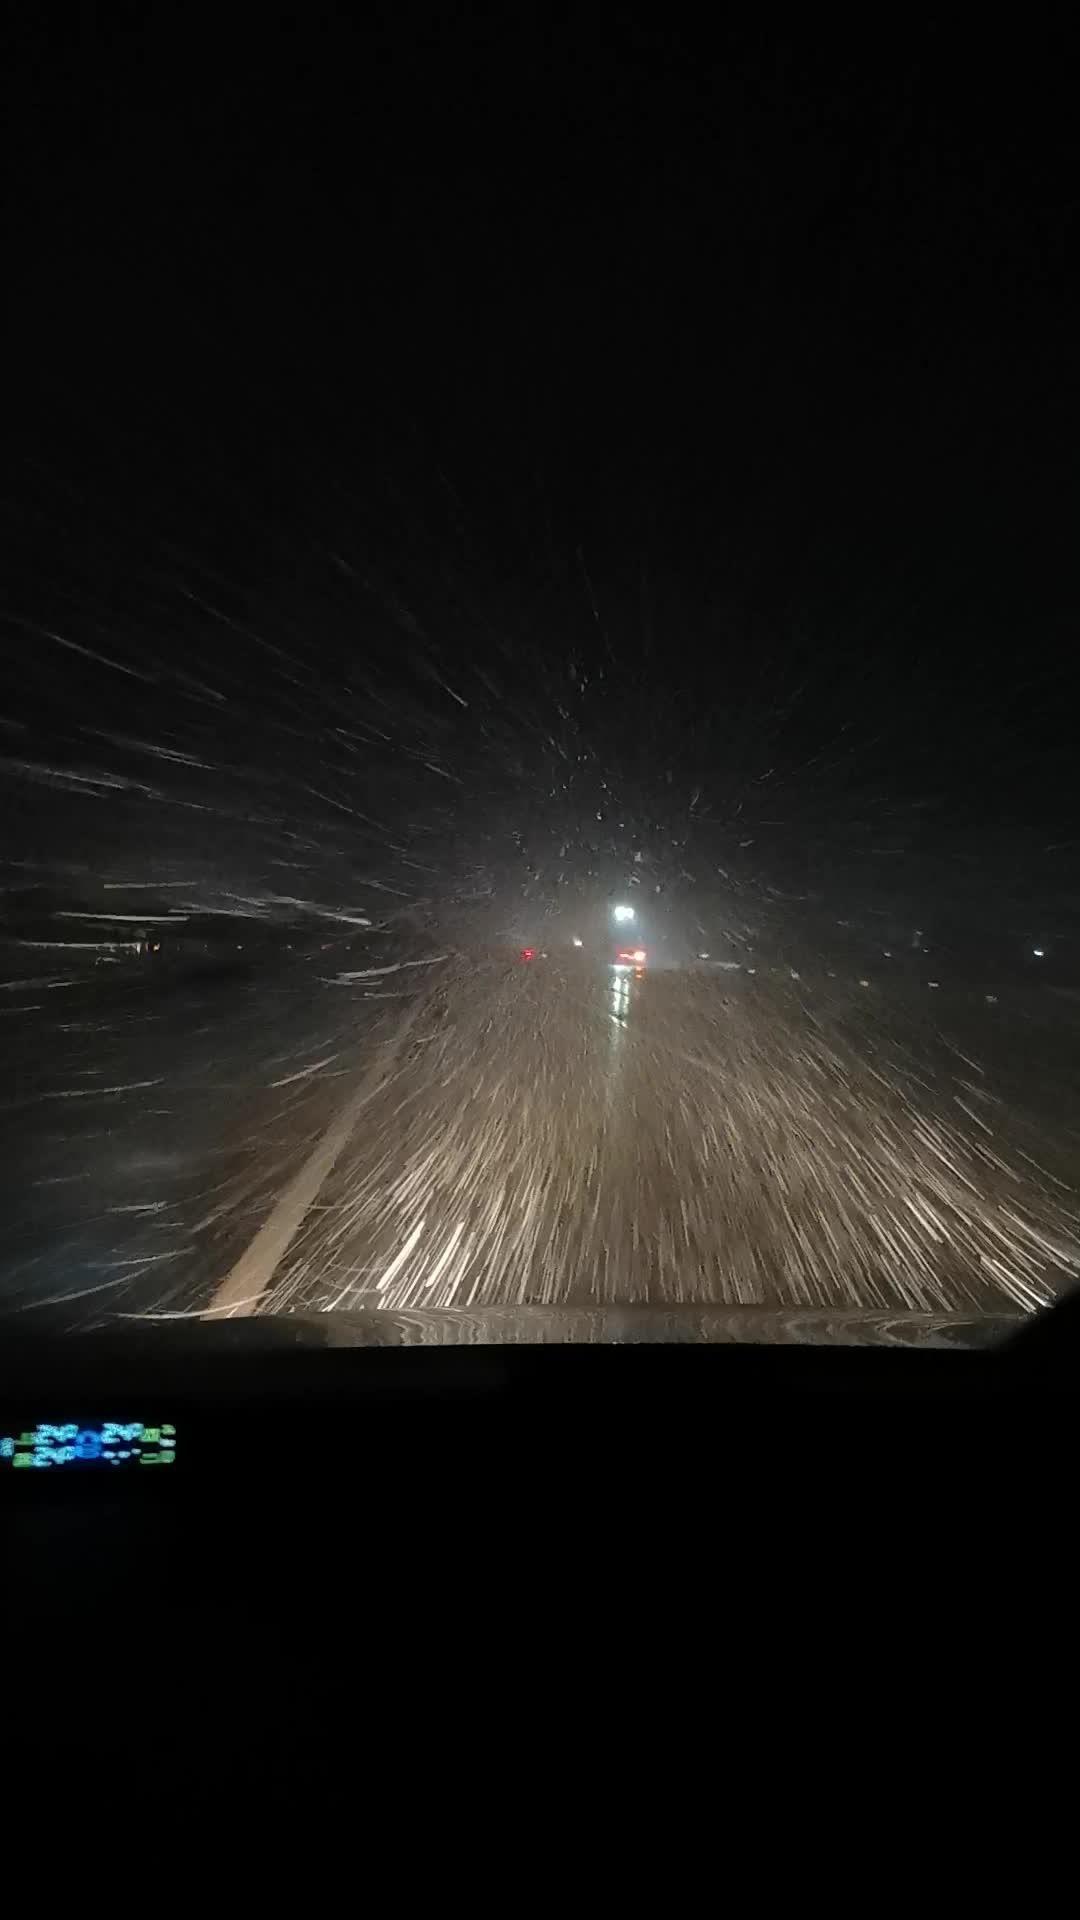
[{"x": 624, "y": 913}]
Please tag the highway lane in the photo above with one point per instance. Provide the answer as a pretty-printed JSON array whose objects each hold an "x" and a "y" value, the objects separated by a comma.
[
  {"x": 473, "y": 1136},
  {"x": 557, "y": 1136}
]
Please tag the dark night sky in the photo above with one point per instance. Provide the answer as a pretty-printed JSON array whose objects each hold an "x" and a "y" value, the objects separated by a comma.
[{"x": 701, "y": 415}]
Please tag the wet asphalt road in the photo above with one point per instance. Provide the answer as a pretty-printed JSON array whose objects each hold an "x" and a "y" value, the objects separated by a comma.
[{"x": 478, "y": 1135}]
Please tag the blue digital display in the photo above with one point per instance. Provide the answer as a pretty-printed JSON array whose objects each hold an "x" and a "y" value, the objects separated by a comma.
[{"x": 94, "y": 1443}]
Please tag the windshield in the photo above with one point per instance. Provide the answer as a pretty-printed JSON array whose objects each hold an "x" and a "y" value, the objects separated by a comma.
[{"x": 538, "y": 751}]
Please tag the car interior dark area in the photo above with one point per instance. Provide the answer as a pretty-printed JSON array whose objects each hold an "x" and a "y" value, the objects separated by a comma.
[
  {"x": 255, "y": 1453},
  {"x": 482, "y": 1549}
]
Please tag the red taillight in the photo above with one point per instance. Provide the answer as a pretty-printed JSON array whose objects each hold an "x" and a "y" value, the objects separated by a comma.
[{"x": 527, "y": 953}]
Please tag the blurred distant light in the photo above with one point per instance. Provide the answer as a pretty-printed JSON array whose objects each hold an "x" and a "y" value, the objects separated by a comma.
[
  {"x": 639, "y": 956},
  {"x": 577, "y": 942},
  {"x": 527, "y": 953},
  {"x": 1039, "y": 952},
  {"x": 624, "y": 913}
]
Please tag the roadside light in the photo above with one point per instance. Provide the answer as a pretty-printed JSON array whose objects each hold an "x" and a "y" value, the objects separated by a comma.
[
  {"x": 624, "y": 913},
  {"x": 577, "y": 942}
]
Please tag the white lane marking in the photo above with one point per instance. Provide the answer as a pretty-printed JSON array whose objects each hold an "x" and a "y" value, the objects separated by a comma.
[{"x": 247, "y": 1281}]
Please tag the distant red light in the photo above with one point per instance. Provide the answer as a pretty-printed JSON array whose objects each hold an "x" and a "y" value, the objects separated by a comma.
[{"x": 527, "y": 953}]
